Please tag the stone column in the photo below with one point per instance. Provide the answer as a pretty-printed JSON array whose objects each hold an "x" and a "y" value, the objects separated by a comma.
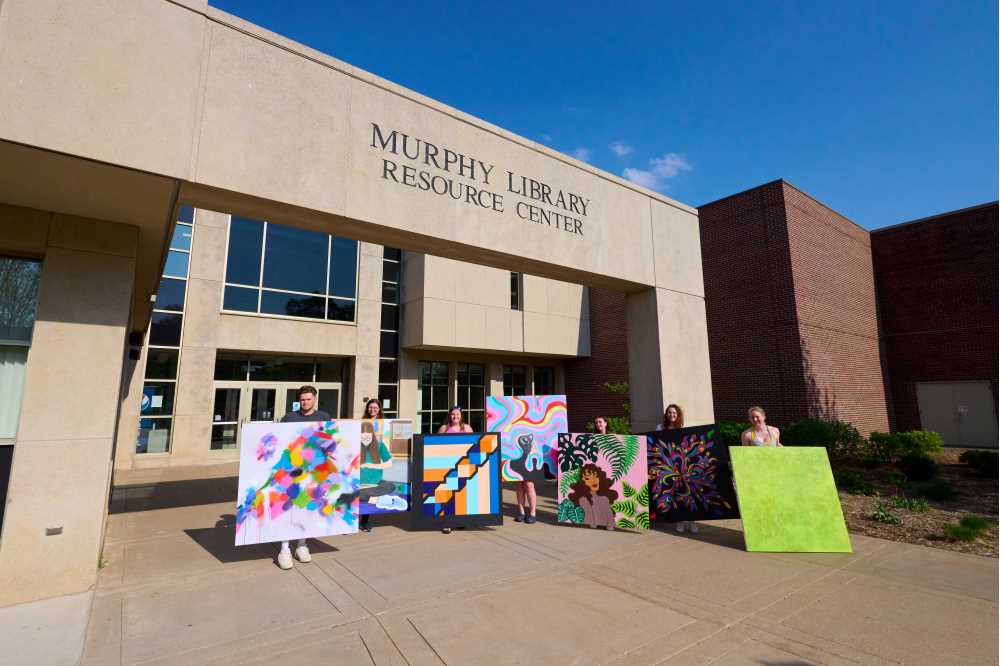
[
  {"x": 668, "y": 357},
  {"x": 57, "y": 499}
]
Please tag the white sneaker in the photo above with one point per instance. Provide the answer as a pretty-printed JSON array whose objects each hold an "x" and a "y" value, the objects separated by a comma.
[
  {"x": 302, "y": 554},
  {"x": 679, "y": 527},
  {"x": 285, "y": 559},
  {"x": 693, "y": 529}
]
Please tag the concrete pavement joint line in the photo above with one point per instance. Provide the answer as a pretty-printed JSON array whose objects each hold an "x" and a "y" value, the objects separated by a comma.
[
  {"x": 367, "y": 649},
  {"x": 321, "y": 592},
  {"x": 532, "y": 549},
  {"x": 424, "y": 638},
  {"x": 777, "y": 640},
  {"x": 385, "y": 630},
  {"x": 360, "y": 580}
]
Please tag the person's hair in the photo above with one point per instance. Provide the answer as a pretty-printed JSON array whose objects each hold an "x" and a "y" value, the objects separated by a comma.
[
  {"x": 447, "y": 417},
  {"x": 597, "y": 418},
  {"x": 373, "y": 448},
  {"x": 377, "y": 404},
  {"x": 680, "y": 416},
  {"x": 307, "y": 389},
  {"x": 580, "y": 489},
  {"x": 756, "y": 408}
]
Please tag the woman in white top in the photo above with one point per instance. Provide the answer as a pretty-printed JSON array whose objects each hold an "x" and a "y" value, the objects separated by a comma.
[{"x": 759, "y": 433}]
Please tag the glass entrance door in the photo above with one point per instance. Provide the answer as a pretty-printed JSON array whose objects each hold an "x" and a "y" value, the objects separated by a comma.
[{"x": 238, "y": 403}]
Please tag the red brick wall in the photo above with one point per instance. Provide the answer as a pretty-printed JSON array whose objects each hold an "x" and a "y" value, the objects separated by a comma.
[
  {"x": 937, "y": 290},
  {"x": 753, "y": 330},
  {"x": 834, "y": 288},
  {"x": 608, "y": 362}
]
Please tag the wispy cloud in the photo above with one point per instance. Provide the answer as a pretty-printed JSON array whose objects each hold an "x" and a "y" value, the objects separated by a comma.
[
  {"x": 661, "y": 169},
  {"x": 546, "y": 138},
  {"x": 582, "y": 154},
  {"x": 620, "y": 149}
]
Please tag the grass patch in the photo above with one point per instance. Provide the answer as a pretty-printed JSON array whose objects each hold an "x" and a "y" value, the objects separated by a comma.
[
  {"x": 915, "y": 504},
  {"x": 969, "y": 528},
  {"x": 973, "y": 522},
  {"x": 883, "y": 514}
]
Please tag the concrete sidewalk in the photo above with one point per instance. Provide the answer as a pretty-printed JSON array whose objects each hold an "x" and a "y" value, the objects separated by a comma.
[{"x": 176, "y": 591}]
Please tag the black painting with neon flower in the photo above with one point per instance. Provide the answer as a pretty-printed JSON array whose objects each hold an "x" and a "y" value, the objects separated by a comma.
[{"x": 689, "y": 475}]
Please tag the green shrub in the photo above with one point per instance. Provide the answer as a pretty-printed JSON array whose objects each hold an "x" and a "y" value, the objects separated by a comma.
[
  {"x": 882, "y": 514},
  {"x": 937, "y": 489},
  {"x": 618, "y": 425},
  {"x": 875, "y": 451},
  {"x": 730, "y": 432},
  {"x": 895, "y": 478},
  {"x": 919, "y": 468},
  {"x": 910, "y": 444},
  {"x": 853, "y": 482},
  {"x": 841, "y": 440},
  {"x": 984, "y": 462},
  {"x": 973, "y": 523},
  {"x": 960, "y": 533}
]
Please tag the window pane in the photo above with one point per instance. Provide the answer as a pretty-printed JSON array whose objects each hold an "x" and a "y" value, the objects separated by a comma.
[
  {"x": 387, "y": 392},
  {"x": 439, "y": 398},
  {"x": 177, "y": 264},
  {"x": 545, "y": 381},
  {"x": 390, "y": 293},
  {"x": 390, "y": 271},
  {"x": 295, "y": 259},
  {"x": 161, "y": 363},
  {"x": 185, "y": 214},
  {"x": 440, "y": 374},
  {"x": 390, "y": 317},
  {"x": 227, "y": 405},
  {"x": 477, "y": 398},
  {"x": 13, "y": 361},
  {"x": 477, "y": 421},
  {"x": 392, "y": 253},
  {"x": 462, "y": 374},
  {"x": 425, "y": 374},
  {"x": 19, "y": 280},
  {"x": 291, "y": 305},
  {"x": 340, "y": 310},
  {"x": 223, "y": 437},
  {"x": 170, "y": 295},
  {"x": 165, "y": 329},
  {"x": 425, "y": 399},
  {"x": 515, "y": 291},
  {"x": 388, "y": 344},
  {"x": 243, "y": 262},
  {"x": 388, "y": 372},
  {"x": 328, "y": 401},
  {"x": 182, "y": 237},
  {"x": 282, "y": 369},
  {"x": 343, "y": 267},
  {"x": 230, "y": 367},
  {"x": 427, "y": 423},
  {"x": 329, "y": 370},
  {"x": 476, "y": 373},
  {"x": 154, "y": 436},
  {"x": 240, "y": 299},
  {"x": 157, "y": 399}
]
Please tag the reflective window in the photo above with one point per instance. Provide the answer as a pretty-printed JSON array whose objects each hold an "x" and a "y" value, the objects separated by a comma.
[
  {"x": 515, "y": 291},
  {"x": 343, "y": 267},
  {"x": 19, "y": 280},
  {"x": 161, "y": 363},
  {"x": 165, "y": 329},
  {"x": 472, "y": 394},
  {"x": 177, "y": 264},
  {"x": 246, "y": 240},
  {"x": 388, "y": 372},
  {"x": 390, "y": 293},
  {"x": 185, "y": 214},
  {"x": 390, "y": 317},
  {"x": 515, "y": 380},
  {"x": 301, "y": 270},
  {"x": 295, "y": 259},
  {"x": 231, "y": 367},
  {"x": 154, "y": 435},
  {"x": 432, "y": 395},
  {"x": 330, "y": 370},
  {"x": 388, "y": 343},
  {"x": 181, "y": 239},
  {"x": 282, "y": 369},
  {"x": 545, "y": 381},
  {"x": 157, "y": 399},
  {"x": 170, "y": 294}
]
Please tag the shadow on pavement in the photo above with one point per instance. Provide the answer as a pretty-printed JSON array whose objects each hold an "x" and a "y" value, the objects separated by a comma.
[
  {"x": 219, "y": 542},
  {"x": 173, "y": 494}
]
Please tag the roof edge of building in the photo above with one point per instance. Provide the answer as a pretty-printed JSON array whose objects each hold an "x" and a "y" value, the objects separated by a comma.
[{"x": 936, "y": 216}]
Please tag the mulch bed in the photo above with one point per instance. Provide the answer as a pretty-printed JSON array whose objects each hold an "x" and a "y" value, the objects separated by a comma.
[{"x": 974, "y": 495}]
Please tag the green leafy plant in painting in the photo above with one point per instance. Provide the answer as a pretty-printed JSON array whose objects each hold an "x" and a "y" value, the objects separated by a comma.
[
  {"x": 635, "y": 507},
  {"x": 621, "y": 454},
  {"x": 566, "y": 481},
  {"x": 883, "y": 514},
  {"x": 581, "y": 451},
  {"x": 569, "y": 512}
]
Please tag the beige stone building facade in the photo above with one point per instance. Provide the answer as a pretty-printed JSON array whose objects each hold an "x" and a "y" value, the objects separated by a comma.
[{"x": 135, "y": 137}]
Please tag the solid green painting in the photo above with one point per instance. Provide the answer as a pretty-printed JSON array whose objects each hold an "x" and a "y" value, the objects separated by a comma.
[{"x": 788, "y": 500}]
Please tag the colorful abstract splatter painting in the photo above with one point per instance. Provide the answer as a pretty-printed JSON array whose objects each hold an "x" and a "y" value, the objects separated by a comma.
[
  {"x": 603, "y": 481},
  {"x": 298, "y": 480},
  {"x": 529, "y": 428},
  {"x": 385, "y": 465},
  {"x": 689, "y": 475},
  {"x": 457, "y": 480}
]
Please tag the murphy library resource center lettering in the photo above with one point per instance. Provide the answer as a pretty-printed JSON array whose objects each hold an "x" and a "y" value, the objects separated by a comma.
[{"x": 199, "y": 216}]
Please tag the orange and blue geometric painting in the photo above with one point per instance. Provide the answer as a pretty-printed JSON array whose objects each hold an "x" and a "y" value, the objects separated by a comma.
[
  {"x": 529, "y": 427},
  {"x": 298, "y": 480},
  {"x": 457, "y": 477}
]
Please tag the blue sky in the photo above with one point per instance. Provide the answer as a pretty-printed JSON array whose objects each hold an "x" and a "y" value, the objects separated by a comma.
[{"x": 884, "y": 111}]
